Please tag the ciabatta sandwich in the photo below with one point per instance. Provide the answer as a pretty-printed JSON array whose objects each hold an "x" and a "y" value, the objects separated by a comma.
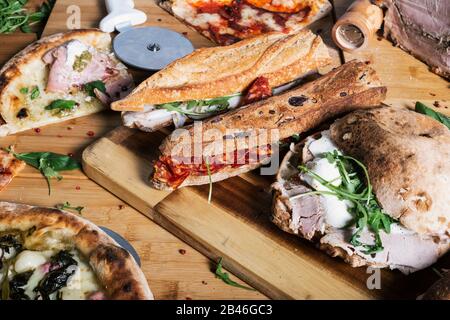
[
  {"x": 244, "y": 139},
  {"x": 213, "y": 80},
  {"x": 373, "y": 189},
  {"x": 60, "y": 77}
]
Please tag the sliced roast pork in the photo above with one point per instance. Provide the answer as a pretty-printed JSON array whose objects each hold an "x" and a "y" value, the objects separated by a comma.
[
  {"x": 75, "y": 64},
  {"x": 421, "y": 27}
]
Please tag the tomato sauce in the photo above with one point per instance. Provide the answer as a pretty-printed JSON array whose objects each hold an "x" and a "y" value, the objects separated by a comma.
[{"x": 173, "y": 173}]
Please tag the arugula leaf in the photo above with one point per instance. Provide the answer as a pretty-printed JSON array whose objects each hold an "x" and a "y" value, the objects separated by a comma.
[
  {"x": 225, "y": 277},
  {"x": 14, "y": 15},
  {"x": 68, "y": 206},
  {"x": 35, "y": 93},
  {"x": 198, "y": 108},
  {"x": 48, "y": 163},
  {"x": 98, "y": 84},
  {"x": 61, "y": 105},
  {"x": 422, "y": 108},
  {"x": 367, "y": 211}
]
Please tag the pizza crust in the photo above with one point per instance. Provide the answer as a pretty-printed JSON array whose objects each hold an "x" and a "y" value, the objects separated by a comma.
[
  {"x": 115, "y": 268},
  {"x": 27, "y": 69}
]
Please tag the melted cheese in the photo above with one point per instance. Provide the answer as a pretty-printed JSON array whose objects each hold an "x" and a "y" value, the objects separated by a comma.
[
  {"x": 29, "y": 260},
  {"x": 81, "y": 284},
  {"x": 33, "y": 282},
  {"x": 336, "y": 211},
  {"x": 75, "y": 48}
]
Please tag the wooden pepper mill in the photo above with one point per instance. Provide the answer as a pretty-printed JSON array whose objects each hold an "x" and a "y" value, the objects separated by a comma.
[{"x": 353, "y": 31}]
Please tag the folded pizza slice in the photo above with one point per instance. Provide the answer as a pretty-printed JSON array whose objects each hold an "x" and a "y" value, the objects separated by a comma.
[{"x": 228, "y": 21}]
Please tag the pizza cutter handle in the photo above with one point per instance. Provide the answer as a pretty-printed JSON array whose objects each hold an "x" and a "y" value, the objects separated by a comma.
[{"x": 121, "y": 13}]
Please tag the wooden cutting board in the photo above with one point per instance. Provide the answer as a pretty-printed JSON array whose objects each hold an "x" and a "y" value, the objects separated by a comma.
[{"x": 236, "y": 224}]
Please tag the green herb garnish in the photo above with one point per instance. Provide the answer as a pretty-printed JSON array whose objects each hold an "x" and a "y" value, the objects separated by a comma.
[
  {"x": 35, "y": 93},
  {"x": 61, "y": 105},
  {"x": 24, "y": 90},
  {"x": 225, "y": 277},
  {"x": 366, "y": 210},
  {"x": 210, "y": 181},
  {"x": 68, "y": 206},
  {"x": 98, "y": 84},
  {"x": 82, "y": 61},
  {"x": 14, "y": 15},
  {"x": 48, "y": 163},
  {"x": 198, "y": 108},
  {"x": 421, "y": 108}
]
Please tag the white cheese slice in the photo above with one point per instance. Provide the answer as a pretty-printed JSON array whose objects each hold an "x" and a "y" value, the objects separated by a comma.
[
  {"x": 81, "y": 284},
  {"x": 29, "y": 260},
  {"x": 337, "y": 212}
]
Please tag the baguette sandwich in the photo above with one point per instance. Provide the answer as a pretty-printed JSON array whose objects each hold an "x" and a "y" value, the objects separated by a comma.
[
  {"x": 60, "y": 77},
  {"x": 373, "y": 189},
  {"x": 245, "y": 138},
  {"x": 213, "y": 80}
]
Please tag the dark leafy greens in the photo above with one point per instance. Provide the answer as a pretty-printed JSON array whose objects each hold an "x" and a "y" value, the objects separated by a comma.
[
  {"x": 13, "y": 15},
  {"x": 49, "y": 163},
  {"x": 442, "y": 118},
  {"x": 63, "y": 266},
  {"x": 366, "y": 210},
  {"x": 16, "y": 290}
]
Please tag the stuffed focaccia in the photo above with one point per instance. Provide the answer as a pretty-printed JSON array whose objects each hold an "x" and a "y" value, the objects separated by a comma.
[
  {"x": 49, "y": 254},
  {"x": 60, "y": 77},
  {"x": 371, "y": 189}
]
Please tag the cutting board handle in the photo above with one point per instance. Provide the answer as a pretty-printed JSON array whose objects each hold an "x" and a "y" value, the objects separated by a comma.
[{"x": 121, "y": 14}]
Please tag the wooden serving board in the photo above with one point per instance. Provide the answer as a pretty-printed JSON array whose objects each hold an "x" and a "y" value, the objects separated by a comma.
[{"x": 236, "y": 224}]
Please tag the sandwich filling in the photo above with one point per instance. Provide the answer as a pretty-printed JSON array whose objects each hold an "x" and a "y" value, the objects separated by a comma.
[
  {"x": 156, "y": 116},
  {"x": 50, "y": 274},
  {"x": 330, "y": 199},
  {"x": 173, "y": 172}
]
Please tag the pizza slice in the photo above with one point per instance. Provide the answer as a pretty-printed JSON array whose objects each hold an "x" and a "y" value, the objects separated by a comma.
[
  {"x": 49, "y": 254},
  {"x": 228, "y": 21},
  {"x": 9, "y": 168}
]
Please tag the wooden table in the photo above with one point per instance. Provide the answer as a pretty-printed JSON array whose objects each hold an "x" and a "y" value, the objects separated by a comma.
[{"x": 173, "y": 269}]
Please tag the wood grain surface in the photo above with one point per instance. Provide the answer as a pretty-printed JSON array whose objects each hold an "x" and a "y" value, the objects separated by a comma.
[{"x": 174, "y": 269}]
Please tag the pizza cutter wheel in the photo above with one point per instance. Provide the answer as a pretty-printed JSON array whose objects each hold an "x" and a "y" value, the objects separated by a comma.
[{"x": 149, "y": 48}]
